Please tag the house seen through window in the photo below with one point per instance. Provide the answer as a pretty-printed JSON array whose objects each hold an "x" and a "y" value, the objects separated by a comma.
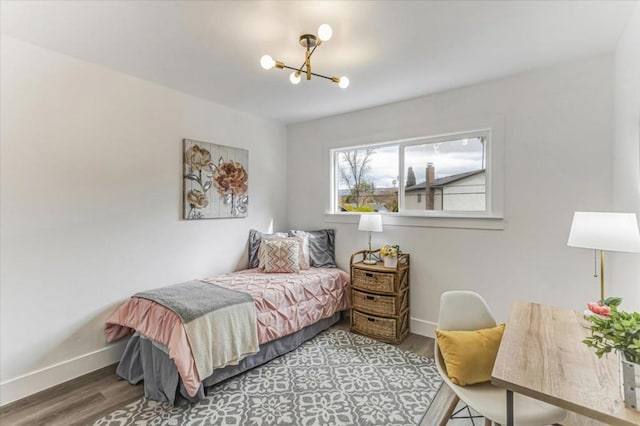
[{"x": 445, "y": 173}]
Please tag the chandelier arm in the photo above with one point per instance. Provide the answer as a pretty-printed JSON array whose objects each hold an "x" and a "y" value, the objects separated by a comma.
[
  {"x": 291, "y": 68},
  {"x": 313, "y": 73},
  {"x": 313, "y": 50},
  {"x": 323, "y": 76},
  {"x": 305, "y": 62}
]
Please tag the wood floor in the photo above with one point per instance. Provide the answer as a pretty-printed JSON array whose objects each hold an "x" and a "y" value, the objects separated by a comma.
[
  {"x": 87, "y": 398},
  {"x": 76, "y": 402}
]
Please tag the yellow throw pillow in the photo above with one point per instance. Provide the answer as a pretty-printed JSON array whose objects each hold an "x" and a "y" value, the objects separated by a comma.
[{"x": 469, "y": 355}]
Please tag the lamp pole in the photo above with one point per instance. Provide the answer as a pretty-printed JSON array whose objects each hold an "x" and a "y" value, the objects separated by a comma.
[
  {"x": 602, "y": 275},
  {"x": 369, "y": 260}
]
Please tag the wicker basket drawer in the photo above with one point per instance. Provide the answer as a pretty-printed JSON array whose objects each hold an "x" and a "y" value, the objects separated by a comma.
[
  {"x": 380, "y": 282},
  {"x": 373, "y": 303},
  {"x": 383, "y": 328}
]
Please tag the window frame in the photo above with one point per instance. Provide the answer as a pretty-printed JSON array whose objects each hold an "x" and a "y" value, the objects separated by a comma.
[
  {"x": 485, "y": 133},
  {"x": 429, "y": 140}
]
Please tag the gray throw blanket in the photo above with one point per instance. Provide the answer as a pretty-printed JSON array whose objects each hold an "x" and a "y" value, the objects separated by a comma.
[
  {"x": 193, "y": 299},
  {"x": 220, "y": 323}
]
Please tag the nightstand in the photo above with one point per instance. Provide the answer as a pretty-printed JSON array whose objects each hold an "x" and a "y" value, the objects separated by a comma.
[{"x": 380, "y": 298}]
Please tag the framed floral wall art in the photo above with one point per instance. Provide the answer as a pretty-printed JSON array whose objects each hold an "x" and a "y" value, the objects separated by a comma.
[{"x": 216, "y": 182}]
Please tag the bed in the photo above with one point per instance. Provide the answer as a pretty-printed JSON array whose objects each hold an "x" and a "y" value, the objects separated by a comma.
[{"x": 274, "y": 313}]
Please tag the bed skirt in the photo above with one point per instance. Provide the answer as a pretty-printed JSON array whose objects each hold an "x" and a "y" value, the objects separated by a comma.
[{"x": 143, "y": 360}]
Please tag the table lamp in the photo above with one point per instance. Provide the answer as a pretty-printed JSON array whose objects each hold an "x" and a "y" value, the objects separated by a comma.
[
  {"x": 371, "y": 222},
  {"x": 605, "y": 232}
]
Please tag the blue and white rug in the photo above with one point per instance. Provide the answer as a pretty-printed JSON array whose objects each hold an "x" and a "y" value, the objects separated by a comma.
[{"x": 337, "y": 378}]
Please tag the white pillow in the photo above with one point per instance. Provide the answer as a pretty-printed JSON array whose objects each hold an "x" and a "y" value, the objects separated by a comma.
[{"x": 303, "y": 240}]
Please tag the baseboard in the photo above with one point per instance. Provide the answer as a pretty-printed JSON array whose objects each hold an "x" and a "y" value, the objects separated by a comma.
[
  {"x": 39, "y": 380},
  {"x": 422, "y": 327}
]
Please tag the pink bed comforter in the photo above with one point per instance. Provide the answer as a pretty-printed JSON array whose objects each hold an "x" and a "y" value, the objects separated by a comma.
[{"x": 285, "y": 303}]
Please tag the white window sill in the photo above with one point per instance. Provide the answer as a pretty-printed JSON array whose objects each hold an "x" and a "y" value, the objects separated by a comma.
[{"x": 463, "y": 221}]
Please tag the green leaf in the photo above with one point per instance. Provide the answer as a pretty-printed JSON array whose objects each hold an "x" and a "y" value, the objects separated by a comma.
[
  {"x": 612, "y": 301},
  {"x": 620, "y": 332}
]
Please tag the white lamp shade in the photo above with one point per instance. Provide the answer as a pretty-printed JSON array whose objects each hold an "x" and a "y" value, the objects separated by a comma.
[
  {"x": 605, "y": 231},
  {"x": 370, "y": 222}
]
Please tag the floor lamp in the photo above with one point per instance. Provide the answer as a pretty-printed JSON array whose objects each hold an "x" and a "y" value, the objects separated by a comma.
[
  {"x": 371, "y": 222},
  {"x": 605, "y": 232}
]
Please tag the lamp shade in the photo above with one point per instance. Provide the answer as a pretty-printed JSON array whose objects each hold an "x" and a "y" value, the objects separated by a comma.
[
  {"x": 370, "y": 222},
  {"x": 605, "y": 231}
]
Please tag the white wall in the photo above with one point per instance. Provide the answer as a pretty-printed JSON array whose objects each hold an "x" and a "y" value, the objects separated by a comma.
[
  {"x": 625, "y": 267},
  {"x": 465, "y": 194},
  {"x": 558, "y": 124},
  {"x": 91, "y": 187}
]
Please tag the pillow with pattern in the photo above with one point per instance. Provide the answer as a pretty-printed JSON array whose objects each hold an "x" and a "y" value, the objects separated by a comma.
[
  {"x": 281, "y": 255},
  {"x": 255, "y": 238},
  {"x": 302, "y": 260}
]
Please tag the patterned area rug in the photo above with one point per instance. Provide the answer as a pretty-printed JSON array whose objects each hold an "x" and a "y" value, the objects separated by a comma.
[{"x": 337, "y": 378}]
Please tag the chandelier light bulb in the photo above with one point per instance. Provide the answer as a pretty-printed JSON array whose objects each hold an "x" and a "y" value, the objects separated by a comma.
[
  {"x": 295, "y": 77},
  {"x": 325, "y": 32},
  {"x": 344, "y": 82},
  {"x": 267, "y": 62}
]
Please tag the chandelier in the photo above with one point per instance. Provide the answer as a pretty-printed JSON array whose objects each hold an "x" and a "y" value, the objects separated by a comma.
[{"x": 310, "y": 42}]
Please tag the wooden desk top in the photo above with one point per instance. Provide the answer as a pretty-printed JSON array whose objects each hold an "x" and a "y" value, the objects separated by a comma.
[{"x": 542, "y": 356}]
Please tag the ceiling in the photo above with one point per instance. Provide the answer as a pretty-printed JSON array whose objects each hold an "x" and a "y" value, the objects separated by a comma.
[{"x": 390, "y": 50}]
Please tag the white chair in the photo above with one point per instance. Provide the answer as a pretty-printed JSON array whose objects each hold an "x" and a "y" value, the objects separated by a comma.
[{"x": 465, "y": 311}]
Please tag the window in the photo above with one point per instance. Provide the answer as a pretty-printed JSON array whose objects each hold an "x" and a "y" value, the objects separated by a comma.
[
  {"x": 419, "y": 176},
  {"x": 367, "y": 178}
]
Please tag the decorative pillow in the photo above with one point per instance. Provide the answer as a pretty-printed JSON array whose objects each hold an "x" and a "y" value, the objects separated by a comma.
[
  {"x": 304, "y": 263},
  {"x": 321, "y": 247},
  {"x": 255, "y": 237},
  {"x": 469, "y": 355},
  {"x": 281, "y": 255}
]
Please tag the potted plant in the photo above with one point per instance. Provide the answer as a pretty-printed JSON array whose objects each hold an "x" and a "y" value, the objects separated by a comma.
[
  {"x": 618, "y": 331},
  {"x": 389, "y": 255}
]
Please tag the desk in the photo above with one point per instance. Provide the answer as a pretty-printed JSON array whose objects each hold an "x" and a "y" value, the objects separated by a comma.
[{"x": 542, "y": 356}]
